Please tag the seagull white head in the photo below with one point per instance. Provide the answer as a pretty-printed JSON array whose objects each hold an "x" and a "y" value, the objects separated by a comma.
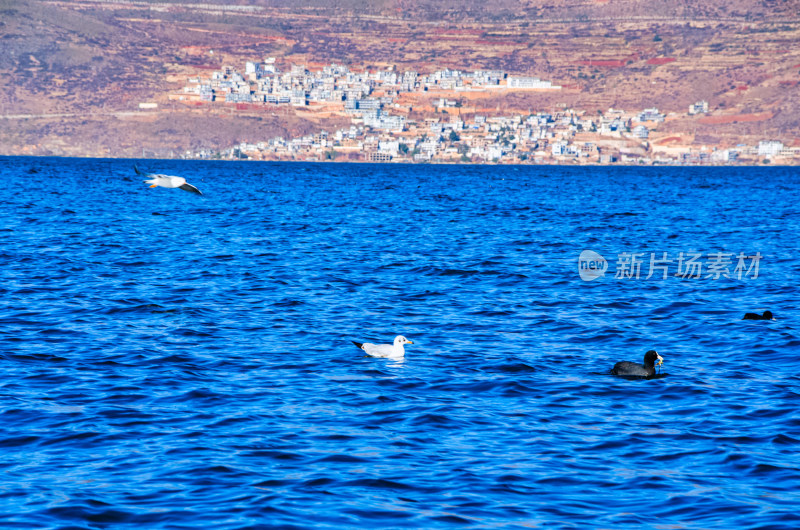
[{"x": 400, "y": 340}]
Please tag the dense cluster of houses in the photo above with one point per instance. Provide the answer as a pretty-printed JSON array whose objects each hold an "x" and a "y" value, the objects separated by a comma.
[
  {"x": 564, "y": 136},
  {"x": 379, "y": 134},
  {"x": 263, "y": 82}
]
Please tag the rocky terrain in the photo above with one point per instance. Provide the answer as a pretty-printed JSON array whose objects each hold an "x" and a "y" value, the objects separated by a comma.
[{"x": 73, "y": 73}]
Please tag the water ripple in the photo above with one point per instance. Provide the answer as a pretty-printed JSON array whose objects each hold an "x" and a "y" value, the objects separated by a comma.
[{"x": 172, "y": 361}]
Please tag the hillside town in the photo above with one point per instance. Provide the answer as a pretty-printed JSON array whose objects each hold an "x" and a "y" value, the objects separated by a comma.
[
  {"x": 411, "y": 117},
  {"x": 359, "y": 92}
]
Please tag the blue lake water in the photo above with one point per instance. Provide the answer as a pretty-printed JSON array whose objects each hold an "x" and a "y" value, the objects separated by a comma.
[{"x": 174, "y": 361}]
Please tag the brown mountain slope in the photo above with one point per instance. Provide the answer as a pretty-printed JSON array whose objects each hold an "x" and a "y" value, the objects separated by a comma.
[{"x": 72, "y": 74}]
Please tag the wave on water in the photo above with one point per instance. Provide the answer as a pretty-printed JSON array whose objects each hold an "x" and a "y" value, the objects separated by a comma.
[{"x": 174, "y": 361}]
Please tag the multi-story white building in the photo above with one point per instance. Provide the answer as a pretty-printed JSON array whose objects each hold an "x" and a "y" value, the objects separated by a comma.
[
  {"x": 559, "y": 148},
  {"x": 650, "y": 115},
  {"x": 389, "y": 146},
  {"x": 701, "y": 107},
  {"x": 529, "y": 82},
  {"x": 769, "y": 148}
]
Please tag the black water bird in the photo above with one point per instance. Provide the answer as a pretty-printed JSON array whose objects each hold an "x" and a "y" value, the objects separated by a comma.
[
  {"x": 627, "y": 368},
  {"x": 755, "y": 316}
]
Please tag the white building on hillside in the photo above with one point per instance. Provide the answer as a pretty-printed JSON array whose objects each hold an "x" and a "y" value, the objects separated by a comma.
[
  {"x": 769, "y": 147},
  {"x": 529, "y": 82}
]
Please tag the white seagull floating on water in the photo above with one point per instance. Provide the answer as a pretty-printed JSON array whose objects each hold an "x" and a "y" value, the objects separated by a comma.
[
  {"x": 391, "y": 351},
  {"x": 167, "y": 181}
]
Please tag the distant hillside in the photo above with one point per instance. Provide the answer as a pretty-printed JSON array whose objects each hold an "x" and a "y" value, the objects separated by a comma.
[
  {"x": 494, "y": 11},
  {"x": 72, "y": 73}
]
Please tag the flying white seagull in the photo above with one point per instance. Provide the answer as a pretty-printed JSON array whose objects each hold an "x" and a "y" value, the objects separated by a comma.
[
  {"x": 167, "y": 181},
  {"x": 392, "y": 351}
]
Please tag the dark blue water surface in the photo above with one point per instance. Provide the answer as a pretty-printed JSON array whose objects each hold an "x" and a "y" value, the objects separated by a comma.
[{"x": 176, "y": 361}]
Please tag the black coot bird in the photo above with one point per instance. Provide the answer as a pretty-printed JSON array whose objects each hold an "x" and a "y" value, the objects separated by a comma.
[
  {"x": 627, "y": 368},
  {"x": 755, "y": 316}
]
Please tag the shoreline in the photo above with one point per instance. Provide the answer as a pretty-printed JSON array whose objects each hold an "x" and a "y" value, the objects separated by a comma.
[{"x": 411, "y": 163}]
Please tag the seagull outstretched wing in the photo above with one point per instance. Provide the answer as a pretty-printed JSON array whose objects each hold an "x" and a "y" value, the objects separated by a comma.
[{"x": 189, "y": 187}]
